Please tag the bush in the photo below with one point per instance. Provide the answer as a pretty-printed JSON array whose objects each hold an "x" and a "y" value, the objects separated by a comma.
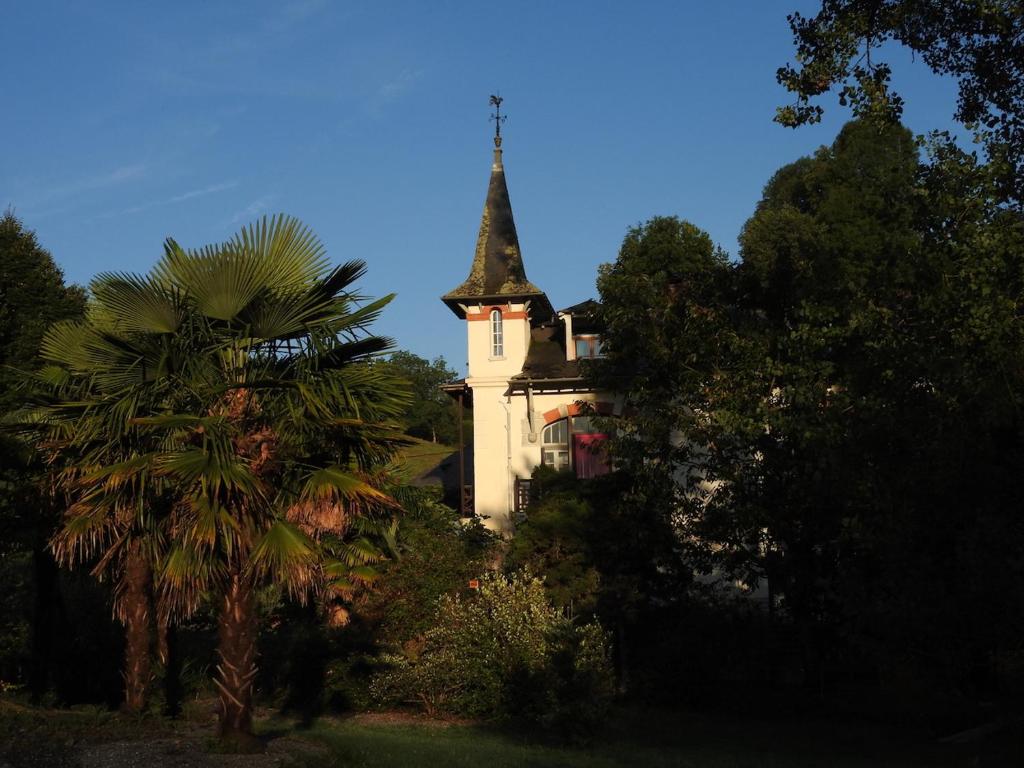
[
  {"x": 571, "y": 692},
  {"x": 505, "y": 653},
  {"x": 437, "y": 554},
  {"x": 554, "y": 542}
]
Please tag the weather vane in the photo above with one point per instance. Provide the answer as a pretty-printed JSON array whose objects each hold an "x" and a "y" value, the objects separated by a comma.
[{"x": 498, "y": 119}]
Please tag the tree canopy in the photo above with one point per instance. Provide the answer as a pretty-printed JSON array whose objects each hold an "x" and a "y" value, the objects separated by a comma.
[
  {"x": 978, "y": 42},
  {"x": 430, "y": 414},
  {"x": 802, "y": 419},
  {"x": 33, "y": 297}
]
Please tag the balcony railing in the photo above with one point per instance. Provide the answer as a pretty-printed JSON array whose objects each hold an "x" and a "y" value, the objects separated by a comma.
[{"x": 522, "y": 496}]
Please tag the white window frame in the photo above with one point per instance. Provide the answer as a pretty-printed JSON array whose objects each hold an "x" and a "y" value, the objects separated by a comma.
[
  {"x": 555, "y": 454},
  {"x": 593, "y": 346},
  {"x": 497, "y": 335}
]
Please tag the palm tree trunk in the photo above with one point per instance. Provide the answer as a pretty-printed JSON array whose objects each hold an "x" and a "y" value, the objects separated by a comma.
[
  {"x": 237, "y": 669},
  {"x": 136, "y": 615}
]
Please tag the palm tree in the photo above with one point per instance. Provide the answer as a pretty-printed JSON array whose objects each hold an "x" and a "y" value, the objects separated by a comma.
[{"x": 238, "y": 375}]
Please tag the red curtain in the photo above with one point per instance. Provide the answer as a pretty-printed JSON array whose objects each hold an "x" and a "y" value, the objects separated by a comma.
[{"x": 589, "y": 456}]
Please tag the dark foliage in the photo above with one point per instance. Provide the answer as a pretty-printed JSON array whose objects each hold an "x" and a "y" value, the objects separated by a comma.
[
  {"x": 438, "y": 554},
  {"x": 502, "y": 652},
  {"x": 32, "y": 297},
  {"x": 310, "y": 667},
  {"x": 835, "y": 420}
]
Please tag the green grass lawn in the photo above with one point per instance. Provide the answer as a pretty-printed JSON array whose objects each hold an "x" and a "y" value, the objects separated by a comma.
[
  {"x": 651, "y": 739},
  {"x": 33, "y": 737},
  {"x": 422, "y": 456}
]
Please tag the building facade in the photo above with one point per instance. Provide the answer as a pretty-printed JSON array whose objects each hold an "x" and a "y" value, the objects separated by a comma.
[{"x": 530, "y": 401}]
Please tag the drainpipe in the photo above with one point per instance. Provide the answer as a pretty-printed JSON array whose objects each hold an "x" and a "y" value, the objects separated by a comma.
[
  {"x": 508, "y": 460},
  {"x": 463, "y": 512}
]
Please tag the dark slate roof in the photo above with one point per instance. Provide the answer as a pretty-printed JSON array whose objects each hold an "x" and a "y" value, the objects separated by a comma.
[
  {"x": 585, "y": 316},
  {"x": 497, "y": 272},
  {"x": 583, "y": 309},
  {"x": 545, "y": 360}
]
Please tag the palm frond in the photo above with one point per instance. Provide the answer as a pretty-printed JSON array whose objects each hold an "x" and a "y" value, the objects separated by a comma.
[
  {"x": 184, "y": 577},
  {"x": 291, "y": 257},
  {"x": 285, "y": 554},
  {"x": 351, "y": 352},
  {"x": 336, "y": 483},
  {"x": 126, "y": 303},
  {"x": 340, "y": 279}
]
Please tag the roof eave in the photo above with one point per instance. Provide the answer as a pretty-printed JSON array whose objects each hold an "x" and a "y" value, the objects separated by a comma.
[{"x": 456, "y": 302}]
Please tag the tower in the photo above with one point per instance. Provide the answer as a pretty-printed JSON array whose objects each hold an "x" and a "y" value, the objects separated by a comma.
[{"x": 498, "y": 305}]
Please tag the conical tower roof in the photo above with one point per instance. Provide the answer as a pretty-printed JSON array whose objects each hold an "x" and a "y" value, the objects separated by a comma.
[{"x": 497, "y": 273}]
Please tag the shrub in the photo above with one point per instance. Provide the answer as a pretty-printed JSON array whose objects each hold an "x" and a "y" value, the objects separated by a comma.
[
  {"x": 554, "y": 542},
  {"x": 505, "y": 653},
  {"x": 437, "y": 554},
  {"x": 571, "y": 692}
]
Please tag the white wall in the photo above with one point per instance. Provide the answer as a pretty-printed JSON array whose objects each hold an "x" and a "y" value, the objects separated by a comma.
[
  {"x": 502, "y": 446},
  {"x": 516, "y": 331},
  {"x": 503, "y": 449},
  {"x": 488, "y": 378}
]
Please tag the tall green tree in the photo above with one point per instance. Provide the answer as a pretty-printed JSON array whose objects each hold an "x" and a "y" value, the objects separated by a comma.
[
  {"x": 33, "y": 296},
  {"x": 837, "y": 415},
  {"x": 829, "y": 260},
  {"x": 430, "y": 414},
  {"x": 980, "y": 43},
  {"x": 665, "y": 306},
  {"x": 244, "y": 370},
  {"x": 953, "y": 436}
]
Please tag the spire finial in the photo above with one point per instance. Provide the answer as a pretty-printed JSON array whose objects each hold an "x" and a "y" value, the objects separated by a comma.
[{"x": 498, "y": 119}]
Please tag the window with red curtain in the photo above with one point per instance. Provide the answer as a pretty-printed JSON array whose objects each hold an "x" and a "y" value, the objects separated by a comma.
[{"x": 589, "y": 455}]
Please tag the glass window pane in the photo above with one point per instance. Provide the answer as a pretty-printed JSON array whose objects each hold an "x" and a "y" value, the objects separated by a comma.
[
  {"x": 556, "y": 433},
  {"x": 497, "y": 340},
  {"x": 582, "y": 348}
]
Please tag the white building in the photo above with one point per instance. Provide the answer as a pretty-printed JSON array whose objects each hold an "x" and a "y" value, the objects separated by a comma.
[{"x": 524, "y": 382}]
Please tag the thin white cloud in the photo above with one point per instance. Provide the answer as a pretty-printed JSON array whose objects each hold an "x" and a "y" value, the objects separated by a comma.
[
  {"x": 124, "y": 173},
  {"x": 112, "y": 178},
  {"x": 212, "y": 189},
  {"x": 252, "y": 210},
  {"x": 393, "y": 89},
  {"x": 202, "y": 192}
]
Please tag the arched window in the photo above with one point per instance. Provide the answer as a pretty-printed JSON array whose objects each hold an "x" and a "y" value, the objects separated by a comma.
[
  {"x": 497, "y": 336},
  {"x": 554, "y": 449},
  {"x": 589, "y": 458}
]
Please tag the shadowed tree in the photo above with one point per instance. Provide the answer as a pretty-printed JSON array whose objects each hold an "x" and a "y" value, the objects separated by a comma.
[
  {"x": 32, "y": 297},
  {"x": 839, "y": 414}
]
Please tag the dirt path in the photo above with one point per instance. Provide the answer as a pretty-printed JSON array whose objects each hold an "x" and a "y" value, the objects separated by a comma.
[{"x": 38, "y": 738}]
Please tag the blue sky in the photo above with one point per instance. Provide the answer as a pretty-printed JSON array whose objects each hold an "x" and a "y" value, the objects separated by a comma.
[{"x": 128, "y": 123}]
